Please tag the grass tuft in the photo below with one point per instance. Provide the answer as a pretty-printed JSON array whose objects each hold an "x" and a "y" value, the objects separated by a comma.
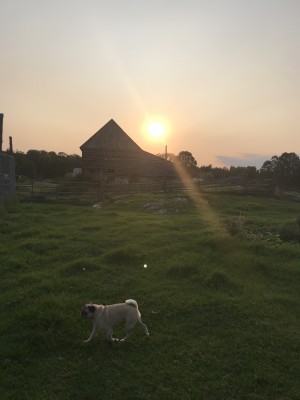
[
  {"x": 126, "y": 255},
  {"x": 218, "y": 280},
  {"x": 185, "y": 271}
]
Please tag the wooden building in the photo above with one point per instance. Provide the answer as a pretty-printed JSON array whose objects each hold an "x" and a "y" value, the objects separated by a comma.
[{"x": 112, "y": 154}]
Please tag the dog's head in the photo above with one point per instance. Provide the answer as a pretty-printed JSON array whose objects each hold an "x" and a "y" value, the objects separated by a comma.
[{"x": 88, "y": 311}]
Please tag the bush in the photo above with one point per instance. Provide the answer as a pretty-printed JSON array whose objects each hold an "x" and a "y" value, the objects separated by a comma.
[
  {"x": 236, "y": 225},
  {"x": 290, "y": 231}
]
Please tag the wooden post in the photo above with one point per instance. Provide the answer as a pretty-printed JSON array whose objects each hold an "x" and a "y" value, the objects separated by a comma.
[
  {"x": 10, "y": 145},
  {"x": 165, "y": 170},
  {"x": 1, "y": 130}
]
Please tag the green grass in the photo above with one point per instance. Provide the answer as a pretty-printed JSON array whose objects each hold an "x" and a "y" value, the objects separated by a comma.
[{"x": 222, "y": 307}]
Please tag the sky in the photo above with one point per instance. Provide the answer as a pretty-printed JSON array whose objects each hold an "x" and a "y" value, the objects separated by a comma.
[{"x": 222, "y": 75}]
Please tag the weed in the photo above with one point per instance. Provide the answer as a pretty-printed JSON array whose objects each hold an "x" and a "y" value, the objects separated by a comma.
[{"x": 218, "y": 280}]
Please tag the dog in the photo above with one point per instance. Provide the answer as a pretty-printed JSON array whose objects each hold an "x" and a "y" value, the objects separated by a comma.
[{"x": 106, "y": 317}]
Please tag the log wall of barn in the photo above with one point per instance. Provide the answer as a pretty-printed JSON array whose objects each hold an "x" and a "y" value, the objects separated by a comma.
[{"x": 122, "y": 164}]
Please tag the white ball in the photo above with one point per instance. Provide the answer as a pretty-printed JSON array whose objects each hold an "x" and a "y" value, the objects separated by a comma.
[{"x": 145, "y": 265}]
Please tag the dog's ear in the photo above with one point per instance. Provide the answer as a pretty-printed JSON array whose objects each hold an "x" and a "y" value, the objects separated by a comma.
[{"x": 91, "y": 308}]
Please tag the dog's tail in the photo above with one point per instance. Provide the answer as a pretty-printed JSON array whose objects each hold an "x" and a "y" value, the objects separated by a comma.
[{"x": 132, "y": 302}]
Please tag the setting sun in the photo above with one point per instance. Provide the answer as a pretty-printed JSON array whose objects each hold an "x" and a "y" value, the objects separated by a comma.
[{"x": 156, "y": 129}]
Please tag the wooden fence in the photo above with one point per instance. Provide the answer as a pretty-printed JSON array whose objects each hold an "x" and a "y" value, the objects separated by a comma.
[
  {"x": 90, "y": 192},
  {"x": 93, "y": 192}
]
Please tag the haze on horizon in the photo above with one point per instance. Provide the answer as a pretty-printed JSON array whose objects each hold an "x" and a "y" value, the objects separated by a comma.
[{"x": 224, "y": 75}]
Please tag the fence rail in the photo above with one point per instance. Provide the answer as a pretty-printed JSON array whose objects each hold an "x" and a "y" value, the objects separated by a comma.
[
  {"x": 92, "y": 192},
  {"x": 88, "y": 192}
]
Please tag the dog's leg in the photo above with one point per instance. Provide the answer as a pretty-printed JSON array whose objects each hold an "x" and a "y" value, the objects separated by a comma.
[
  {"x": 127, "y": 334},
  {"x": 110, "y": 337},
  {"x": 92, "y": 335},
  {"x": 128, "y": 330},
  {"x": 143, "y": 327}
]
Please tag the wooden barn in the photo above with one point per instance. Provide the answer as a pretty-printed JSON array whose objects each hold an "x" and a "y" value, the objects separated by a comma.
[{"x": 111, "y": 154}]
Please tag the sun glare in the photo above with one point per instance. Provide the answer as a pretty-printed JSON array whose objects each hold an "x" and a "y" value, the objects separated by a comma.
[{"x": 156, "y": 129}]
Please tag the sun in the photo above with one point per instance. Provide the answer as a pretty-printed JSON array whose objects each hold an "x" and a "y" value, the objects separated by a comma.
[{"x": 156, "y": 129}]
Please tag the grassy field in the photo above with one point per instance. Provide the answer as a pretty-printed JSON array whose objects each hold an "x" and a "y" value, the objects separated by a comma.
[{"x": 220, "y": 297}]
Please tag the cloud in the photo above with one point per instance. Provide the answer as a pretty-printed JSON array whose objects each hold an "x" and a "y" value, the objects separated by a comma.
[{"x": 243, "y": 160}]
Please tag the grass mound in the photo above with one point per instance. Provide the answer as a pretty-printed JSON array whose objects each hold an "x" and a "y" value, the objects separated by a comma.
[{"x": 126, "y": 255}]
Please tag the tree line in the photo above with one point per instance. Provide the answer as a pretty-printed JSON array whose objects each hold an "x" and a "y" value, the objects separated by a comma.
[
  {"x": 283, "y": 170},
  {"x": 40, "y": 164}
]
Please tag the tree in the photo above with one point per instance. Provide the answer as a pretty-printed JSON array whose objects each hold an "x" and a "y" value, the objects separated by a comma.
[
  {"x": 186, "y": 161},
  {"x": 186, "y": 158},
  {"x": 270, "y": 167},
  {"x": 284, "y": 169},
  {"x": 24, "y": 165},
  {"x": 170, "y": 156},
  {"x": 289, "y": 164}
]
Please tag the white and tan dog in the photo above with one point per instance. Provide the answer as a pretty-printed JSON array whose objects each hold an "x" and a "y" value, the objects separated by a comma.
[{"x": 106, "y": 317}]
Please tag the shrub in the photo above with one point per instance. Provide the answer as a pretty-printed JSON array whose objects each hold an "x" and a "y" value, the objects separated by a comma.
[
  {"x": 236, "y": 225},
  {"x": 290, "y": 232}
]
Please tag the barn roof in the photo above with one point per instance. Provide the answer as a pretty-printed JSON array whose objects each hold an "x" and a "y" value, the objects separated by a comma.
[{"x": 111, "y": 137}]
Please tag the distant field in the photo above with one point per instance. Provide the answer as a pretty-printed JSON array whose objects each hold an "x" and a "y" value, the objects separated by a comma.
[{"x": 220, "y": 296}]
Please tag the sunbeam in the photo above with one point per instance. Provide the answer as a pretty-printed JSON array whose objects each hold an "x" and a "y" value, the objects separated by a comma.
[{"x": 201, "y": 203}]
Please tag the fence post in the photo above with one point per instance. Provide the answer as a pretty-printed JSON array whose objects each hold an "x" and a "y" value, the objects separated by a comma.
[{"x": 32, "y": 190}]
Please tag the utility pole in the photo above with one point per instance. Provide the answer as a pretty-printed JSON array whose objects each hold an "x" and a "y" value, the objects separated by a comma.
[
  {"x": 1, "y": 130},
  {"x": 10, "y": 145}
]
